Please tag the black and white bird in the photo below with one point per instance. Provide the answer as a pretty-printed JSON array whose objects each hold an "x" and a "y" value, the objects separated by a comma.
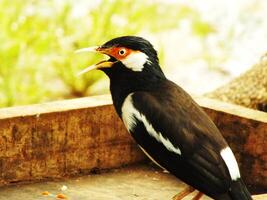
[{"x": 166, "y": 122}]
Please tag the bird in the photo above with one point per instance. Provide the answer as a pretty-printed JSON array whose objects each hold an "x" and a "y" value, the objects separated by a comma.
[{"x": 165, "y": 121}]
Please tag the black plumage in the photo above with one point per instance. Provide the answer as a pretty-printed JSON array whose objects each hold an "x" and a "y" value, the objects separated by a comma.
[{"x": 167, "y": 123}]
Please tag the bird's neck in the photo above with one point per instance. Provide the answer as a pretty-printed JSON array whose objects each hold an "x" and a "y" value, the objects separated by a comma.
[{"x": 121, "y": 85}]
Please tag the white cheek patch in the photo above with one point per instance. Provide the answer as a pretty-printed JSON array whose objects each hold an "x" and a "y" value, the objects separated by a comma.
[
  {"x": 135, "y": 61},
  {"x": 129, "y": 117},
  {"x": 231, "y": 163}
]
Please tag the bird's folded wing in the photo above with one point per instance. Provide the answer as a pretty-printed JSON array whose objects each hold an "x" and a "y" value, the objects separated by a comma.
[{"x": 183, "y": 123}]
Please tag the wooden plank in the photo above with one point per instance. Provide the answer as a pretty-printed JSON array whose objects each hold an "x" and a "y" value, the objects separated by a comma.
[
  {"x": 246, "y": 132},
  {"x": 135, "y": 182},
  {"x": 260, "y": 197},
  {"x": 56, "y": 106},
  {"x": 77, "y": 136},
  {"x": 62, "y": 138}
]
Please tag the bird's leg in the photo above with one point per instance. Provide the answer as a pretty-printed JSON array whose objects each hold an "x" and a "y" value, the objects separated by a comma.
[
  {"x": 183, "y": 193},
  {"x": 198, "y": 196}
]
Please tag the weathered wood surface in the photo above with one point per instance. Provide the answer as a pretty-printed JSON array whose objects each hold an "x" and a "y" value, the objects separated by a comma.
[
  {"x": 134, "y": 182},
  {"x": 260, "y": 197},
  {"x": 62, "y": 138},
  {"x": 77, "y": 136},
  {"x": 246, "y": 132}
]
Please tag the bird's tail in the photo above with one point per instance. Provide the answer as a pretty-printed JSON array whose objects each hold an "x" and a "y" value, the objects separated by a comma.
[{"x": 239, "y": 191}]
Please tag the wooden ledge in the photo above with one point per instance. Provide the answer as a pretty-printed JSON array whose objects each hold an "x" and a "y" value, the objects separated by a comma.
[
  {"x": 69, "y": 137},
  {"x": 62, "y": 138},
  {"x": 246, "y": 132},
  {"x": 236, "y": 110},
  {"x": 55, "y": 106}
]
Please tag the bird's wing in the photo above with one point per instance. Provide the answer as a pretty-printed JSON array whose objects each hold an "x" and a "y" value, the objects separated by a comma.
[{"x": 175, "y": 120}]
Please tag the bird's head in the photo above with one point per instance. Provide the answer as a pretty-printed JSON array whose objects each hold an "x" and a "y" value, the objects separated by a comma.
[{"x": 128, "y": 53}]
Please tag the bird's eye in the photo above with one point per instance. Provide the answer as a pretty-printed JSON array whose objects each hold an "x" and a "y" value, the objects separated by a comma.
[{"x": 122, "y": 52}]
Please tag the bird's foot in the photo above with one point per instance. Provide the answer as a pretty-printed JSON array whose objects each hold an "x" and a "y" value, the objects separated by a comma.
[{"x": 184, "y": 193}]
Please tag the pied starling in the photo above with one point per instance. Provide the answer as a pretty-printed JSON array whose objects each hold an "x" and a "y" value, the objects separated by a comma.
[{"x": 168, "y": 125}]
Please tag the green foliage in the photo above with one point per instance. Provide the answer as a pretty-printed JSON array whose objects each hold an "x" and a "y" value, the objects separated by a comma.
[
  {"x": 38, "y": 40},
  {"x": 201, "y": 28},
  {"x": 109, "y": 20}
]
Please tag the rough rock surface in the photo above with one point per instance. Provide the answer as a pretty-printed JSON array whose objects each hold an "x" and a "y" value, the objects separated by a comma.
[{"x": 249, "y": 89}]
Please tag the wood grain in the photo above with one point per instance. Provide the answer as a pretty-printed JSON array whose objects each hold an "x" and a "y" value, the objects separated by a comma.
[{"x": 72, "y": 137}]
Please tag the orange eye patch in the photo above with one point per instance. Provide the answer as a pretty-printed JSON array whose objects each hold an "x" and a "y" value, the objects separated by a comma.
[{"x": 120, "y": 52}]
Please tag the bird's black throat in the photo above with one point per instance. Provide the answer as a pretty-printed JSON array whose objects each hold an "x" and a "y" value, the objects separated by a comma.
[{"x": 124, "y": 81}]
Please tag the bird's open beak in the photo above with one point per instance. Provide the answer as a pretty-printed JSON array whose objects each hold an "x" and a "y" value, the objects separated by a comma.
[{"x": 102, "y": 64}]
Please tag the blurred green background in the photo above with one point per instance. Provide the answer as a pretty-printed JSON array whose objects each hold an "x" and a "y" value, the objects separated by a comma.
[{"x": 38, "y": 40}]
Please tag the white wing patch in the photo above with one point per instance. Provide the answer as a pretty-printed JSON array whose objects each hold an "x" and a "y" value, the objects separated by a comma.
[
  {"x": 135, "y": 61},
  {"x": 129, "y": 116},
  {"x": 230, "y": 162}
]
